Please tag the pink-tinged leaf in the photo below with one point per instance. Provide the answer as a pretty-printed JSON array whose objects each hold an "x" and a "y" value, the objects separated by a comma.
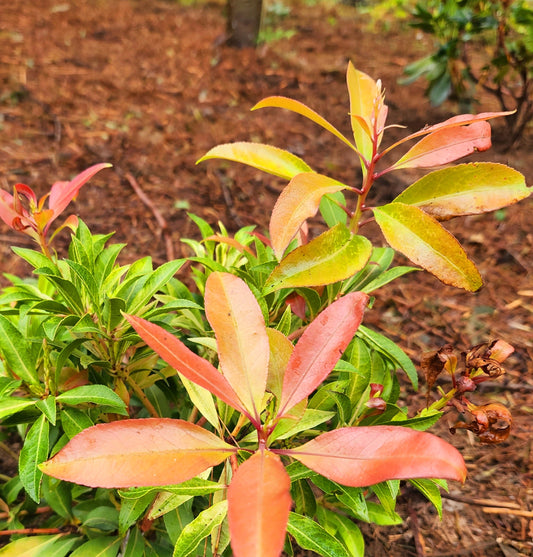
[
  {"x": 320, "y": 347},
  {"x": 453, "y": 122},
  {"x": 258, "y": 506},
  {"x": 466, "y": 189},
  {"x": 258, "y": 155},
  {"x": 334, "y": 255},
  {"x": 192, "y": 366},
  {"x": 361, "y": 456},
  {"x": 7, "y": 211},
  {"x": 62, "y": 193},
  {"x": 242, "y": 340},
  {"x": 424, "y": 241},
  {"x": 135, "y": 453},
  {"x": 230, "y": 242},
  {"x": 298, "y": 201},
  {"x": 447, "y": 145},
  {"x": 303, "y": 110}
]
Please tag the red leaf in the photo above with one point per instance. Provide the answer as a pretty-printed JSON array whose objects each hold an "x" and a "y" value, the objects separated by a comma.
[
  {"x": 192, "y": 366},
  {"x": 62, "y": 193},
  {"x": 258, "y": 506},
  {"x": 360, "y": 456},
  {"x": 447, "y": 145},
  {"x": 143, "y": 452},
  {"x": 242, "y": 340},
  {"x": 320, "y": 347}
]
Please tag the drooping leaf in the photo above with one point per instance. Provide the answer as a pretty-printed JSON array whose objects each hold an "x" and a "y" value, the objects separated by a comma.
[
  {"x": 320, "y": 347},
  {"x": 303, "y": 110},
  {"x": 139, "y": 452},
  {"x": 361, "y": 456},
  {"x": 310, "y": 535},
  {"x": 423, "y": 240},
  {"x": 345, "y": 530},
  {"x": 34, "y": 451},
  {"x": 334, "y": 255},
  {"x": 466, "y": 189},
  {"x": 29, "y": 546},
  {"x": 197, "y": 530},
  {"x": 298, "y": 201},
  {"x": 258, "y": 506},
  {"x": 447, "y": 145},
  {"x": 242, "y": 341},
  {"x": 263, "y": 157},
  {"x": 12, "y": 405},
  {"x": 184, "y": 360}
]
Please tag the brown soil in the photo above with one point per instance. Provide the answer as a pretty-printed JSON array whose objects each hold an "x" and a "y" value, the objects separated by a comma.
[{"x": 149, "y": 86}]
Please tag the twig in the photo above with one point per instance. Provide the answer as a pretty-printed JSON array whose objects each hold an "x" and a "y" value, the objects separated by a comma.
[
  {"x": 165, "y": 231},
  {"x": 481, "y": 502},
  {"x": 32, "y": 531},
  {"x": 504, "y": 510}
]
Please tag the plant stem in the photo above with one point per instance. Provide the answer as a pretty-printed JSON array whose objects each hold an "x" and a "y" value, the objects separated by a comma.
[{"x": 143, "y": 398}]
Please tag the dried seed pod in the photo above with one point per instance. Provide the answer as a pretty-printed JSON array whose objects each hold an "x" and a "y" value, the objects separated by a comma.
[
  {"x": 492, "y": 423},
  {"x": 434, "y": 363},
  {"x": 488, "y": 357}
]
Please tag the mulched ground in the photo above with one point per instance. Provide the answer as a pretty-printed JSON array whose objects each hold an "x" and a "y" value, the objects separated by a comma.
[{"x": 150, "y": 86}]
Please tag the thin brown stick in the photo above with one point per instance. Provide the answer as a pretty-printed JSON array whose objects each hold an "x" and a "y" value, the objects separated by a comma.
[
  {"x": 31, "y": 531},
  {"x": 165, "y": 231},
  {"x": 481, "y": 502},
  {"x": 504, "y": 510}
]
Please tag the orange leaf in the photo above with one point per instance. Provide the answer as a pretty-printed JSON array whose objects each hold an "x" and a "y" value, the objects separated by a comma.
[
  {"x": 192, "y": 366},
  {"x": 298, "y": 201},
  {"x": 320, "y": 347},
  {"x": 360, "y": 456},
  {"x": 242, "y": 340},
  {"x": 258, "y": 506},
  {"x": 141, "y": 452}
]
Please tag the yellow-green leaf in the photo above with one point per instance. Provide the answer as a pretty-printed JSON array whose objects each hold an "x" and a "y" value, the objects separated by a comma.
[
  {"x": 303, "y": 110},
  {"x": 280, "y": 351},
  {"x": 298, "y": 201},
  {"x": 425, "y": 242},
  {"x": 263, "y": 157},
  {"x": 466, "y": 189},
  {"x": 335, "y": 255}
]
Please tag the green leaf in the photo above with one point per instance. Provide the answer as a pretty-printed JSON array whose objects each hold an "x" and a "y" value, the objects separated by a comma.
[
  {"x": 66, "y": 289},
  {"x": 99, "y": 547},
  {"x": 466, "y": 189},
  {"x": 287, "y": 428},
  {"x": 391, "y": 350},
  {"x": 17, "y": 352},
  {"x": 35, "y": 258},
  {"x": 94, "y": 394},
  {"x": 431, "y": 491},
  {"x": 310, "y": 535},
  {"x": 335, "y": 255},
  {"x": 194, "y": 488},
  {"x": 345, "y": 530},
  {"x": 48, "y": 407},
  {"x": 58, "y": 495},
  {"x": 131, "y": 510},
  {"x": 202, "y": 399},
  {"x": 298, "y": 201},
  {"x": 303, "y": 497},
  {"x": 423, "y": 240},
  {"x": 385, "y": 496},
  {"x": 331, "y": 209},
  {"x": 135, "y": 545},
  {"x": 34, "y": 451},
  {"x": 199, "y": 529},
  {"x": 11, "y": 406},
  {"x": 263, "y": 157},
  {"x": 74, "y": 421}
]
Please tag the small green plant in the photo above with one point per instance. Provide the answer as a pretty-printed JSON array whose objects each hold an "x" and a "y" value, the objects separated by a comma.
[
  {"x": 480, "y": 45},
  {"x": 161, "y": 420}
]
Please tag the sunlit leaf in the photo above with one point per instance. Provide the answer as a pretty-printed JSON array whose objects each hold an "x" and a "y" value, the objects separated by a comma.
[
  {"x": 423, "y": 240},
  {"x": 140, "y": 452},
  {"x": 16, "y": 352},
  {"x": 447, "y": 145},
  {"x": 334, "y": 255},
  {"x": 242, "y": 341},
  {"x": 184, "y": 360},
  {"x": 29, "y": 546},
  {"x": 320, "y": 347},
  {"x": 361, "y": 456},
  {"x": 303, "y": 110},
  {"x": 298, "y": 201},
  {"x": 466, "y": 189},
  {"x": 364, "y": 93},
  {"x": 258, "y": 506},
  {"x": 263, "y": 157},
  {"x": 34, "y": 451}
]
